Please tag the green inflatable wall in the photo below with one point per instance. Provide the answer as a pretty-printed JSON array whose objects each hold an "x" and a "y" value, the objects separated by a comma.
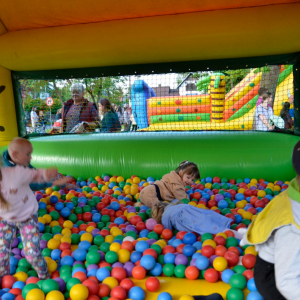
[{"x": 225, "y": 154}]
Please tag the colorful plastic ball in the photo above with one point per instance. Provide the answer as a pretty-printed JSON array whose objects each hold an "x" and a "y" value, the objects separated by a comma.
[
  {"x": 111, "y": 282},
  {"x": 138, "y": 272},
  {"x": 135, "y": 256},
  {"x": 119, "y": 273},
  {"x": 248, "y": 261},
  {"x": 191, "y": 273},
  {"x": 79, "y": 254},
  {"x": 255, "y": 295},
  {"x": 164, "y": 296},
  {"x": 157, "y": 270},
  {"x": 50, "y": 285},
  {"x": 35, "y": 294},
  {"x": 8, "y": 281},
  {"x": 168, "y": 270},
  {"x": 102, "y": 273},
  {"x": 152, "y": 284},
  {"x": 220, "y": 264},
  {"x": 169, "y": 258},
  {"x": 27, "y": 288},
  {"x": 235, "y": 294},
  {"x": 202, "y": 263},
  {"x": 181, "y": 259},
  {"x": 226, "y": 275},
  {"x": 136, "y": 293},
  {"x": 148, "y": 262},
  {"x": 79, "y": 292},
  {"x": 21, "y": 276},
  {"x": 189, "y": 238},
  {"x": 141, "y": 246},
  {"x": 150, "y": 223},
  {"x": 251, "y": 285},
  {"x": 118, "y": 292},
  {"x": 111, "y": 257},
  {"x": 123, "y": 255},
  {"x": 238, "y": 281},
  {"x": 55, "y": 295},
  {"x": 211, "y": 275},
  {"x": 127, "y": 284}
]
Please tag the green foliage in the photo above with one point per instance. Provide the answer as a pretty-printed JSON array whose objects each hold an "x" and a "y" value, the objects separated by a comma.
[{"x": 233, "y": 77}]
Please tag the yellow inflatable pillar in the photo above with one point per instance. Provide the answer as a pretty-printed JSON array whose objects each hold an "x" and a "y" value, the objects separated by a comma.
[
  {"x": 8, "y": 120},
  {"x": 217, "y": 96}
]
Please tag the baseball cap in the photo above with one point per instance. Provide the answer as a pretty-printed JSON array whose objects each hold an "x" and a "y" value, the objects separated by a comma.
[{"x": 296, "y": 158}]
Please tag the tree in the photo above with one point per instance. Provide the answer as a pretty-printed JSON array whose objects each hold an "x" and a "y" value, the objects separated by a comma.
[{"x": 233, "y": 77}]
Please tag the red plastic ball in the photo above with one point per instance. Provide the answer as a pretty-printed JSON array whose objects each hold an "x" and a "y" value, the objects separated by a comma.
[
  {"x": 135, "y": 219},
  {"x": 138, "y": 272},
  {"x": 248, "y": 274},
  {"x": 259, "y": 203},
  {"x": 103, "y": 291},
  {"x": 191, "y": 273},
  {"x": 212, "y": 203},
  {"x": 151, "y": 252},
  {"x": 220, "y": 250},
  {"x": 8, "y": 281},
  {"x": 211, "y": 275},
  {"x": 152, "y": 284},
  {"x": 118, "y": 292},
  {"x": 167, "y": 234},
  {"x": 232, "y": 258},
  {"x": 119, "y": 273},
  {"x": 127, "y": 284},
  {"x": 93, "y": 297},
  {"x": 168, "y": 249},
  {"x": 140, "y": 226},
  {"x": 32, "y": 280},
  {"x": 64, "y": 246},
  {"x": 15, "y": 291},
  {"x": 229, "y": 233},
  {"x": 248, "y": 261},
  {"x": 180, "y": 235},
  {"x": 216, "y": 180},
  {"x": 92, "y": 286},
  {"x": 127, "y": 245},
  {"x": 235, "y": 250},
  {"x": 80, "y": 275},
  {"x": 220, "y": 240},
  {"x": 158, "y": 228},
  {"x": 179, "y": 248},
  {"x": 207, "y": 251}
]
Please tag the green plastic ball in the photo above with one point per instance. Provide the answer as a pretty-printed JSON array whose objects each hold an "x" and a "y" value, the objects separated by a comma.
[
  {"x": 71, "y": 282},
  {"x": 206, "y": 236},
  {"x": 78, "y": 210},
  {"x": 105, "y": 218},
  {"x": 179, "y": 271},
  {"x": 132, "y": 234},
  {"x": 160, "y": 259},
  {"x": 239, "y": 269},
  {"x": 75, "y": 239},
  {"x": 111, "y": 257},
  {"x": 87, "y": 208},
  {"x": 56, "y": 229},
  {"x": 94, "y": 257},
  {"x": 73, "y": 218},
  {"x": 152, "y": 235},
  {"x": 238, "y": 281},
  {"x": 22, "y": 269},
  {"x": 235, "y": 294},
  {"x": 65, "y": 269},
  {"x": 40, "y": 283},
  {"x": 42, "y": 212},
  {"x": 24, "y": 263},
  {"x": 100, "y": 225},
  {"x": 46, "y": 252},
  {"x": 119, "y": 237},
  {"x": 93, "y": 248},
  {"x": 168, "y": 270},
  {"x": 231, "y": 242},
  {"x": 27, "y": 288},
  {"x": 104, "y": 247},
  {"x": 46, "y": 237},
  {"x": 157, "y": 248},
  {"x": 32, "y": 273},
  {"x": 55, "y": 215},
  {"x": 50, "y": 285},
  {"x": 98, "y": 240},
  {"x": 185, "y": 201}
]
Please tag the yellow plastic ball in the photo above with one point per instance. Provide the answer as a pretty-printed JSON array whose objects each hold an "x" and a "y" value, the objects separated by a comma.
[
  {"x": 123, "y": 255},
  {"x": 113, "y": 179},
  {"x": 136, "y": 180},
  {"x": 247, "y": 215},
  {"x": 261, "y": 193},
  {"x": 277, "y": 188},
  {"x": 115, "y": 247},
  {"x": 212, "y": 197},
  {"x": 111, "y": 282},
  {"x": 129, "y": 196},
  {"x": 48, "y": 191},
  {"x": 127, "y": 192},
  {"x": 65, "y": 231},
  {"x": 57, "y": 194},
  {"x": 120, "y": 179},
  {"x": 57, "y": 237},
  {"x": 21, "y": 276},
  {"x": 69, "y": 196},
  {"x": 240, "y": 204},
  {"x": 48, "y": 218},
  {"x": 186, "y": 297},
  {"x": 163, "y": 242},
  {"x": 86, "y": 237},
  {"x": 251, "y": 250},
  {"x": 193, "y": 203},
  {"x": 35, "y": 294},
  {"x": 220, "y": 264},
  {"x": 89, "y": 196},
  {"x": 214, "y": 208},
  {"x": 241, "y": 211},
  {"x": 122, "y": 202},
  {"x": 54, "y": 223},
  {"x": 109, "y": 239},
  {"x": 53, "y": 244},
  {"x": 134, "y": 190},
  {"x": 89, "y": 229},
  {"x": 117, "y": 192},
  {"x": 95, "y": 189},
  {"x": 66, "y": 239},
  {"x": 224, "y": 235},
  {"x": 201, "y": 205},
  {"x": 146, "y": 184},
  {"x": 44, "y": 200},
  {"x": 241, "y": 190},
  {"x": 253, "y": 181},
  {"x": 79, "y": 292},
  {"x": 85, "y": 192},
  {"x": 129, "y": 180},
  {"x": 253, "y": 217},
  {"x": 130, "y": 215},
  {"x": 209, "y": 243},
  {"x": 208, "y": 185},
  {"x": 107, "y": 184},
  {"x": 74, "y": 247},
  {"x": 42, "y": 220},
  {"x": 117, "y": 232},
  {"x": 97, "y": 177},
  {"x": 51, "y": 264},
  {"x": 55, "y": 295},
  {"x": 104, "y": 189}
]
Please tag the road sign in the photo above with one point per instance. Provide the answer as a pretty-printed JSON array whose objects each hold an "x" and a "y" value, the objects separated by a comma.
[{"x": 49, "y": 101}]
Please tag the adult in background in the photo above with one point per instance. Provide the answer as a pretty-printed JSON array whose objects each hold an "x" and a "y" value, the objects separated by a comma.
[
  {"x": 79, "y": 112},
  {"x": 110, "y": 121},
  {"x": 34, "y": 118},
  {"x": 286, "y": 116},
  {"x": 263, "y": 113}
]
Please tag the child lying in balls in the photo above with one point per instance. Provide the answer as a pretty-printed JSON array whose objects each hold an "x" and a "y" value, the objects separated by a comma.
[
  {"x": 184, "y": 217},
  {"x": 276, "y": 236},
  {"x": 171, "y": 186}
]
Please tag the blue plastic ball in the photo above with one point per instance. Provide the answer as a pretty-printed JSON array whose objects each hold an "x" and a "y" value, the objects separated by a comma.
[
  {"x": 55, "y": 254},
  {"x": 79, "y": 254},
  {"x": 252, "y": 296},
  {"x": 143, "y": 233},
  {"x": 226, "y": 274},
  {"x": 96, "y": 217},
  {"x": 188, "y": 250},
  {"x": 13, "y": 261},
  {"x": 59, "y": 206},
  {"x": 141, "y": 246},
  {"x": 53, "y": 199},
  {"x": 239, "y": 197},
  {"x": 197, "y": 245},
  {"x": 41, "y": 227},
  {"x": 157, "y": 270},
  {"x": 202, "y": 263},
  {"x": 135, "y": 256},
  {"x": 18, "y": 285},
  {"x": 223, "y": 204},
  {"x": 65, "y": 212},
  {"x": 42, "y": 205},
  {"x": 115, "y": 206},
  {"x": 169, "y": 258},
  {"x": 238, "y": 218},
  {"x": 196, "y": 255},
  {"x": 164, "y": 296},
  {"x": 148, "y": 262},
  {"x": 119, "y": 221},
  {"x": 8, "y": 296},
  {"x": 102, "y": 273},
  {"x": 251, "y": 285},
  {"x": 189, "y": 238},
  {"x": 81, "y": 269},
  {"x": 82, "y": 200},
  {"x": 69, "y": 205},
  {"x": 136, "y": 293},
  {"x": 92, "y": 272},
  {"x": 67, "y": 260},
  {"x": 84, "y": 245},
  {"x": 176, "y": 243}
]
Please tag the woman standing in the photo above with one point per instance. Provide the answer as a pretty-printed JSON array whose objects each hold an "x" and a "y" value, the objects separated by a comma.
[
  {"x": 286, "y": 116},
  {"x": 110, "y": 121},
  {"x": 262, "y": 114}
]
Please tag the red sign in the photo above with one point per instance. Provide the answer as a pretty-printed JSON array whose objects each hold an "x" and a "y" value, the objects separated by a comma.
[{"x": 49, "y": 101}]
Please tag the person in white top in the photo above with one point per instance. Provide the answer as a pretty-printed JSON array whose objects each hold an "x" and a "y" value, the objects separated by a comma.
[
  {"x": 34, "y": 118},
  {"x": 18, "y": 210},
  {"x": 263, "y": 113}
]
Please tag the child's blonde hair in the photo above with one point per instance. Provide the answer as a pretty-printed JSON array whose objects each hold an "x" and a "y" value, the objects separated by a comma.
[{"x": 188, "y": 168}]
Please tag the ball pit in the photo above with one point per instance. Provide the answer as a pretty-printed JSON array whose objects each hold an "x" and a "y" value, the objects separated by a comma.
[{"x": 98, "y": 244}]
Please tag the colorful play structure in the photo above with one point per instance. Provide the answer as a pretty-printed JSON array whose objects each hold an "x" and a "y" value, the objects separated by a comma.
[
  {"x": 212, "y": 111},
  {"x": 81, "y": 39}
]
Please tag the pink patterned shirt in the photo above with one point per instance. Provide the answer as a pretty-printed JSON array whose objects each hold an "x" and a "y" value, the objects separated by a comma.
[{"x": 16, "y": 191}]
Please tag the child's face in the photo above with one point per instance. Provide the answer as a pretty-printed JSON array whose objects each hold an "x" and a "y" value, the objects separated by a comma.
[
  {"x": 23, "y": 155},
  {"x": 187, "y": 179}
]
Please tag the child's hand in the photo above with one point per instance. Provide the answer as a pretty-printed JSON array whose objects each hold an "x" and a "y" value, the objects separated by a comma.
[
  {"x": 60, "y": 181},
  {"x": 51, "y": 173}
]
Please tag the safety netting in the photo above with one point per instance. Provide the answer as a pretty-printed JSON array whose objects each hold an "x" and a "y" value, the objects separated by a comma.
[{"x": 260, "y": 99}]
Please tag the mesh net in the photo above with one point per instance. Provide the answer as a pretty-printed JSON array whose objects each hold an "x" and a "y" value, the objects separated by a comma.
[{"x": 258, "y": 99}]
